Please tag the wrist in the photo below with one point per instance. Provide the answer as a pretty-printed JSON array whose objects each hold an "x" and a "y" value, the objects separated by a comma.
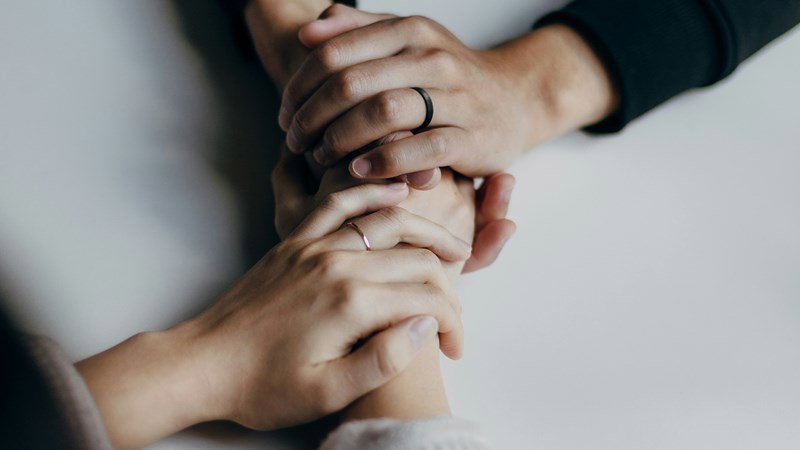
[
  {"x": 149, "y": 387},
  {"x": 565, "y": 84},
  {"x": 274, "y": 25},
  {"x": 417, "y": 393}
]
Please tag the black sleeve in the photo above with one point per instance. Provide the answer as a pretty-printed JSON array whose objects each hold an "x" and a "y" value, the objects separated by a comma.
[{"x": 656, "y": 49}]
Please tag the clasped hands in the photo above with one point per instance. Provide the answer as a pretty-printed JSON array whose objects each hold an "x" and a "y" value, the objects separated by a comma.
[{"x": 320, "y": 322}]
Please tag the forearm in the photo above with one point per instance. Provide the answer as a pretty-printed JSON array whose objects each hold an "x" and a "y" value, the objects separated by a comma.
[
  {"x": 148, "y": 387},
  {"x": 417, "y": 393},
  {"x": 563, "y": 84},
  {"x": 273, "y": 25}
]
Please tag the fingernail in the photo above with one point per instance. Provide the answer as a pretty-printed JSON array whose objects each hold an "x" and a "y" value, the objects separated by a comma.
[
  {"x": 397, "y": 186},
  {"x": 422, "y": 331},
  {"x": 283, "y": 118},
  {"x": 361, "y": 167},
  {"x": 319, "y": 154},
  {"x": 420, "y": 179}
]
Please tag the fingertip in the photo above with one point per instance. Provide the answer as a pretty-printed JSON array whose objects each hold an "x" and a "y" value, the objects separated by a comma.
[
  {"x": 425, "y": 179},
  {"x": 421, "y": 331},
  {"x": 398, "y": 186},
  {"x": 307, "y": 35},
  {"x": 284, "y": 117},
  {"x": 451, "y": 346},
  {"x": 360, "y": 167}
]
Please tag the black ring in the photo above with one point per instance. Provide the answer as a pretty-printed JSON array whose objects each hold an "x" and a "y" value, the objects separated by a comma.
[{"x": 428, "y": 109}]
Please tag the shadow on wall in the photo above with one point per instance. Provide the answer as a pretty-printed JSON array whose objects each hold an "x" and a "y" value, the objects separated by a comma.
[
  {"x": 247, "y": 146},
  {"x": 246, "y": 150}
]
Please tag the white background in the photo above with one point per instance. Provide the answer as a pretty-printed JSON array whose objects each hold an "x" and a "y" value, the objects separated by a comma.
[{"x": 650, "y": 299}]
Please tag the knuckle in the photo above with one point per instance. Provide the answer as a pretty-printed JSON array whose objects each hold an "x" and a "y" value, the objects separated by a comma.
[
  {"x": 386, "y": 107},
  {"x": 438, "y": 146},
  {"x": 334, "y": 141},
  {"x": 395, "y": 216},
  {"x": 328, "y": 264},
  {"x": 300, "y": 254},
  {"x": 429, "y": 259},
  {"x": 349, "y": 84},
  {"x": 328, "y": 56},
  {"x": 443, "y": 61},
  {"x": 302, "y": 121},
  {"x": 291, "y": 94},
  {"x": 332, "y": 202},
  {"x": 390, "y": 161},
  {"x": 346, "y": 296},
  {"x": 419, "y": 25}
]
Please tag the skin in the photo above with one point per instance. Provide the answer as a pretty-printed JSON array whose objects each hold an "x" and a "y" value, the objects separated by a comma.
[
  {"x": 277, "y": 349},
  {"x": 490, "y": 106},
  {"x": 275, "y": 25},
  {"x": 418, "y": 392},
  {"x": 207, "y": 368}
]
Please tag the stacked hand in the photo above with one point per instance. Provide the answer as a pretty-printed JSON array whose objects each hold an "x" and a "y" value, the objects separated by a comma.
[
  {"x": 317, "y": 323},
  {"x": 355, "y": 88},
  {"x": 482, "y": 211}
]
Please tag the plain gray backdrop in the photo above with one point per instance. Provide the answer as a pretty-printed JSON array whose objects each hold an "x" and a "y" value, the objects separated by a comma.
[{"x": 650, "y": 299}]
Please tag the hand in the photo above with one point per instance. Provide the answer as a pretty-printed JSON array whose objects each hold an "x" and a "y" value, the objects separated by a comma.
[
  {"x": 492, "y": 230},
  {"x": 489, "y": 106},
  {"x": 277, "y": 349}
]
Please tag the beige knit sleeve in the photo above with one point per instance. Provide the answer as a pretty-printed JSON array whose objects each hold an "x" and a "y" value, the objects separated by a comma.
[
  {"x": 388, "y": 434},
  {"x": 73, "y": 397}
]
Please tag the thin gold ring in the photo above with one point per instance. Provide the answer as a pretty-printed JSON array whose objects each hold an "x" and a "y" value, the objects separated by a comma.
[{"x": 364, "y": 237}]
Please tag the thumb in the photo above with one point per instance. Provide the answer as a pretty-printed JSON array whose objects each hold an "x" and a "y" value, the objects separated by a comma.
[
  {"x": 385, "y": 355},
  {"x": 335, "y": 20}
]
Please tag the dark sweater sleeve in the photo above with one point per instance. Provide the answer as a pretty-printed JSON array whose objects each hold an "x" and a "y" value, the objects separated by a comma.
[{"x": 656, "y": 49}]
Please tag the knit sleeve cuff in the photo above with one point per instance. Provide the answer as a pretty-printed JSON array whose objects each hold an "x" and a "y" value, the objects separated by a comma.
[
  {"x": 653, "y": 50},
  {"x": 71, "y": 393},
  {"x": 390, "y": 434}
]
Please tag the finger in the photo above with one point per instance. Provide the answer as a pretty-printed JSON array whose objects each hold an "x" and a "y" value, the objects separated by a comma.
[
  {"x": 397, "y": 265},
  {"x": 422, "y": 180},
  {"x": 334, "y": 21},
  {"x": 496, "y": 196},
  {"x": 379, "y": 115},
  {"x": 394, "y": 137},
  {"x": 383, "y": 357},
  {"x": 381, "y": 39},
  {"x": 371, "y": 307},
  {"x": 489, "y": 242},
  {"x": 356, "y": 83},
  {"x": 340, "y": 206},
  {"x": 425, "y": 179},
  {"x": 388, "y": 227},
  {"x": 438, "y": 147}
]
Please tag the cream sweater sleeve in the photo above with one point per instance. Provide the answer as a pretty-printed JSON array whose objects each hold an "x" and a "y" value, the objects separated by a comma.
[
  {"x": 74, "y": 400},
  {"x": 440, "y": 433}
]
